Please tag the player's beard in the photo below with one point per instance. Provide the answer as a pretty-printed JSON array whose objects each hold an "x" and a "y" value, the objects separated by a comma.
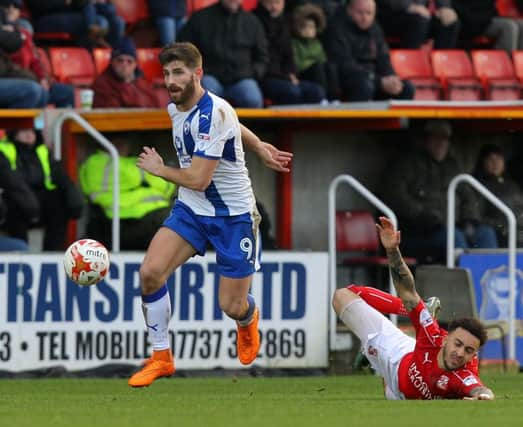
[
  {"x": 183, "y": 96},
  {"x": 447, "y": 367}
]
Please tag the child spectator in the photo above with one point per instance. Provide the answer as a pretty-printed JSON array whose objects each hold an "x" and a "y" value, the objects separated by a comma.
[{"x": 309, "y": 55}]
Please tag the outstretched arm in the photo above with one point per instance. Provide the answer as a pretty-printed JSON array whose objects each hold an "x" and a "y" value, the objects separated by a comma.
[
  {"x": 401, "y": 274},
  {"x": 270, "y": 155}
]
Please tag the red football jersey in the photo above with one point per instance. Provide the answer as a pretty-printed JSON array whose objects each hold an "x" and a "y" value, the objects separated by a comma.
[{"x": 419, "y": 375}]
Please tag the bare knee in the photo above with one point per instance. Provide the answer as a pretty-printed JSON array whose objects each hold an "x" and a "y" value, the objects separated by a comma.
[
  {"x": 341, "y": 298},
  {"x": 151, "y": 279},
  {"x": 234, "y": 307}
]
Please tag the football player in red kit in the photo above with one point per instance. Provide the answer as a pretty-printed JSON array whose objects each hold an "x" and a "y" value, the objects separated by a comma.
[{"x": 434, "y": 365}]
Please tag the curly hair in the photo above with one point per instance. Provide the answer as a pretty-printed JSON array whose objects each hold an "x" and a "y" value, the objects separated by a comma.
[{"x": 474, "y": 326}]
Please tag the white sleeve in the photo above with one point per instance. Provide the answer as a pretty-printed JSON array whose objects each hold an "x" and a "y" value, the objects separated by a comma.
[{"x": 220, "y": 126}]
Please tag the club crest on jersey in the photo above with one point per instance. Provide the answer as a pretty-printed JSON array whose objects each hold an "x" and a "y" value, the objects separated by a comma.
[
  {"x": 186, "y": 127},
  {"x": 425, "y": 319},
  {"x": 372, "y": 351},
  {"x": 443, "y": 382}
]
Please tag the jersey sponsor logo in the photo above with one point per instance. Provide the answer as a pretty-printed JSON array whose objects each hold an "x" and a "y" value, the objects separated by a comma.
[
  {"x": 204, "y": 116},
  {"x": 443, "y": 382},
  {"x": 418, "y": 382},
  {"x": 204, "y": 136},
  {"x": 186, "y": 127},
  {"x": 471, "y": 379},
  {"x": 425, "y": 319}
]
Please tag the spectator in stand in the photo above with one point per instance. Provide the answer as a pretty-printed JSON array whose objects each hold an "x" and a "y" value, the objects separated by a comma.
[
  {"x": 145, "y": 200},
  {"x": 122, "y": 84},
  {"x": 169, "y": 17},
  {"x": 13, "y": 8},
  {"x": 490, "y": 171},
  {"x": 414, "y": 23},
  {"x": 234, "y": 47},
  {"x": 49, "y": 199},
  {"x": 355, "y": 42},
  {"x": 480, "y": 18},
  {"x": 329, "y": 7},
  {"x": 27, "y": 57},
  {"x": 107, "y": 18},
  {"x": 8, "y": 244},
  {"x": 17, "y": 86},
  {"x": 308, "y": 22},
  {"x": 415, "y": 187},
  {"x": 76, "y": 17},
  {"x": 280, "y": 84}
]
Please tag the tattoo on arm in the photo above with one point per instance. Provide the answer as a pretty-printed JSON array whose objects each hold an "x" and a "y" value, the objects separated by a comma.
[{"x": 402, "y": 278}]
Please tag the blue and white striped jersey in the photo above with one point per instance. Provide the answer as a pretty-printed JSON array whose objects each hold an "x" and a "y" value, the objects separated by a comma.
[{"x": 211, "y": 129}]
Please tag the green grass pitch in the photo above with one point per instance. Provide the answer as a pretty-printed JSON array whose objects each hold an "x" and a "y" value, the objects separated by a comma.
[{"x": 348, "y": 401}]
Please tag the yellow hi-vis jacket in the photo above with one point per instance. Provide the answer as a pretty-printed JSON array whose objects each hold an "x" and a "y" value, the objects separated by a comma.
[
  {"x": 140, "y": 192},
  {"x": 8, "y": 149}
]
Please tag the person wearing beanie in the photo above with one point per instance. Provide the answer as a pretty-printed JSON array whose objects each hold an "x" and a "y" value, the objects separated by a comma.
[{"x": 122, "y": 84}]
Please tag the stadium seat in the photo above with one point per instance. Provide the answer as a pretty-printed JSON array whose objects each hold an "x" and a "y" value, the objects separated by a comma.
[
  {"x": 456, "y": 74},
  {"x": 517, "y": 58},
  {"x": 148, "y": 62},
  {"x": 494, "y": 69},
  {"x": 455, "y": 289},
  {"x": 249, "y": 5},
  {"x": 357, "y": 242},
  {"x": 72, "y": 65},
  {"x": 102, "y": 58},
  {"x": 132, "y": 11},
  {"x": 508, "y": 8},
  {"x": 414, "y": 65},
  {"x": 196, "y": 5}
]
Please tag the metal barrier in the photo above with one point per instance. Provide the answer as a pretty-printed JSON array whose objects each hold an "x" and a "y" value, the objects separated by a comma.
[
  {"x": 57, "y": 137},
  {"x": 511, "y": 218},
  {"x": 371, "y": 198}
]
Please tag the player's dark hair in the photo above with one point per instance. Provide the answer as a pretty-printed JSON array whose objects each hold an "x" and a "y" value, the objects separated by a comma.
[
  {"x": 474, "y": 326},
  {"x": 183, "y": 52}
]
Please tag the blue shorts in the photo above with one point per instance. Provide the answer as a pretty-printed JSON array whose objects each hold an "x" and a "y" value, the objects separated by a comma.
[{"x": 235, "y": 238}]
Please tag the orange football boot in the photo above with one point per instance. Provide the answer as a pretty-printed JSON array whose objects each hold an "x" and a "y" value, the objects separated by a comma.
[
  {"x": 248, "y": 341},
  {"x": 160, "y": 364}
]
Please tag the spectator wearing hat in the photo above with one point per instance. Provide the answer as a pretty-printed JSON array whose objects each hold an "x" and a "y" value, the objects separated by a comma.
[
  {"x": 12, "y": 12},
  {"x": 415, "y": 187},
  {"x": 491, "y": 172},
  {"x": 122, "y": 84}
]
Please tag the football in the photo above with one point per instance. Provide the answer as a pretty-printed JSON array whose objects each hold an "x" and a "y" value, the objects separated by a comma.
[{"x": 86, "y": 262}]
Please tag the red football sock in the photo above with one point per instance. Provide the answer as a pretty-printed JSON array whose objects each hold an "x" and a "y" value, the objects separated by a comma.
[{"x": 382, "y": 301}]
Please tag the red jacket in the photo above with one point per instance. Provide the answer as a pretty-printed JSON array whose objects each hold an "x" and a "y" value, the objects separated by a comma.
[
  {"x": 111, "y": 92},
  {"x": 27, "y": 56}
]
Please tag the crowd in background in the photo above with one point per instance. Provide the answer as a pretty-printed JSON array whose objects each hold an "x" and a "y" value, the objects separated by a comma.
[{"x": 281, "y": 52}]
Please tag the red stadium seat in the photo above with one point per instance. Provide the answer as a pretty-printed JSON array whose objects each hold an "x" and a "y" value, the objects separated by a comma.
[
  {"x": 72, "y": 65},
  {"x": 456, "y": 74},
  {"x": 508, "y": 8},
  {"x": 414, "y": 64},
  {"x": 102, "y": 58},
  {"x": 494, "y": 68},
  {"x": 132, "y": 11},
  {"x": 249, "y": 4},
  {"x": 196, "y": 5},
  {"x": 148, "y": 62},
  {"x": 357, "y": 241},
  {"x": 517, "y": 58}
]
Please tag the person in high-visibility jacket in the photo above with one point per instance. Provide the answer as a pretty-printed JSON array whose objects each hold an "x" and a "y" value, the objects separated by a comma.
[
  {"x": 145, "y": 200},
  {"x": 39, "y": 192}
]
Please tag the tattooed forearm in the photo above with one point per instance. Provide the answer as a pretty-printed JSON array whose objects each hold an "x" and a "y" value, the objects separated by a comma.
[{"x": 403, "y": 279}]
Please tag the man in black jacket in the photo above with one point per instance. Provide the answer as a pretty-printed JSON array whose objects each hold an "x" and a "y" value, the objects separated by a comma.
[
  {"x": 414, "y": 22},
  {"x": 234, "y": 50},
  {"x": 17, "y": 88},
  {"x": 355, "y": 42}
]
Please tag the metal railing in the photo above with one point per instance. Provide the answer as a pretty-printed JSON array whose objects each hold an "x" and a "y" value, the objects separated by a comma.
[
  {"x": 57, "y": 137},
  {"x": 511, "y": 218},
  {"x": 371, "y": 198}
]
